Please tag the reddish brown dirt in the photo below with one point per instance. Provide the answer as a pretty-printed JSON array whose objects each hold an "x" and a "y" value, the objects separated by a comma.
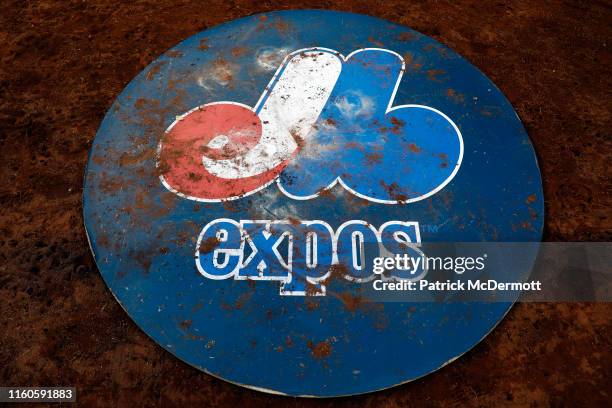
[{"x": 64, "y": 62}]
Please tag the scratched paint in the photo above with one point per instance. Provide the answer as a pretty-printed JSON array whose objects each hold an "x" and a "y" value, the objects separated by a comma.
[{"x": 227, "y": 183}]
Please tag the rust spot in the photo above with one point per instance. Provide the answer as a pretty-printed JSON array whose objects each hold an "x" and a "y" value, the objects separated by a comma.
[
  {"x": 433, "y": 74},
  {"x": 282, "y": 26},
  {"x": 326, "y": 193},
  {"x": 373, "y": 158},
  {"x": 414, "y": 148},
  {"x": 140, "y": 103},
  {"x": 104, "y": 241},
  {"x": 154, "y": 70},
  {"x": 162, "y": 167},
  {"x": 531, "y": 199},
  {"x": 194, "y": 177},
  {"x": 242, "y": 299},
  {"x": 409, "y": 61},
  {"x": 204, "y": 44},
  {"x": 185, "y": 324},
  {"x": 239, "y": 51},
  {"x": 406, "y": 36},
  {"x": 457, "y": 97},
  {"x": 395, "y": 192},
  {"x": 301, "y": 143},
  {"x": 294, "y": 221},
  {"x": 444, "y": 160},
  {"x": 208, "y": 245},
  {"x": 398, "y": 124},
  {"x": 312, "y": 305},
  {"x": 110, "y": 184},
  {"x": 350, "y": 302},
  {"x": 373, "y": 41},
  {"x": 320, "y": 350},
  {"x": 174, "y": 54},
  {"x": 230, "y": 206},
  {"x": 223, "y": 70},
  {"x": 311, "y": 290},
  {"x": 142, "y": 258},
  {"x": 354, "y": 145},
  {"x": 330, "y": 122},
  {"x": 127, "y": 159},
  {"x": 336, "y": 272}
]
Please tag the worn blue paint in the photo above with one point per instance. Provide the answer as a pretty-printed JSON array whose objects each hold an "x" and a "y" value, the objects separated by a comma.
[{"x": 143, "y": 236}]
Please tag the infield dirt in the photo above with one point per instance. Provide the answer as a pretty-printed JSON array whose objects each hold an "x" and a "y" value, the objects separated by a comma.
[{"x": 63, "y": 64}]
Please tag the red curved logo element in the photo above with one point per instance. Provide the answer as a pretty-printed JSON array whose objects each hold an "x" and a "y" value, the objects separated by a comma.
[{"x": 218, "y": 132}]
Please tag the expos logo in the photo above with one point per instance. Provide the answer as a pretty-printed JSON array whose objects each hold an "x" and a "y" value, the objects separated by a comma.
[{"x": 323, "y": 119}]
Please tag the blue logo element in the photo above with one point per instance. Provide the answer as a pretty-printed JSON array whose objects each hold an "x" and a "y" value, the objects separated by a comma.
[{"x": 379, "y": 151}]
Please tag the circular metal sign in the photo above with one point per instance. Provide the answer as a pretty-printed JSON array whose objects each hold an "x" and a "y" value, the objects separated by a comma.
[{"x": 233, "y": 183}]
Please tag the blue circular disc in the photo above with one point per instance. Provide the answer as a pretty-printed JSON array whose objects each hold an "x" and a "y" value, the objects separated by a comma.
[{"x": 230, "y": 181}]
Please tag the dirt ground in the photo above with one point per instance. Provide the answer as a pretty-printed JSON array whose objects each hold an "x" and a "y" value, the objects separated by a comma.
[{"x": 64, "y": 62}]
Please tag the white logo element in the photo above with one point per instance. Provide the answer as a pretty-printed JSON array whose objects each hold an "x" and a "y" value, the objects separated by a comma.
[{"x": 292, "y": 103}]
